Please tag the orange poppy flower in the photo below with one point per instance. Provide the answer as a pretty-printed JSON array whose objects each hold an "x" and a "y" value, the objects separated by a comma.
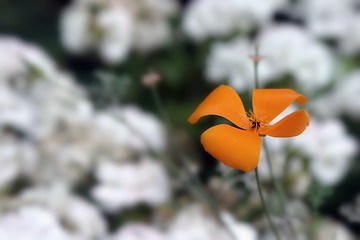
[{"x": 240, "y": 147}]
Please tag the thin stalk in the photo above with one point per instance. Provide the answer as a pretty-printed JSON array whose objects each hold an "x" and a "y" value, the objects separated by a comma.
[
  {"x": 279, "y": 192},
  {"x": 314, "y": 225},
  {"x": 192, "y": 179},
  {"x": 267, "y": 214},
  {"x": 159, "y": 106},
  {"x": 276, "y": 183},
  {"x": 256, "y": 61}
]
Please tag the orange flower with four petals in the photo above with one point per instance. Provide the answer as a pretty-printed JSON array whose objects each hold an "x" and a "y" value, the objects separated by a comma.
[{"x": 239, "y": 147}]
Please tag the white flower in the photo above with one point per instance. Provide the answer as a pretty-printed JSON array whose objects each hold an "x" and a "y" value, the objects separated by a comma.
[
  {"x": 10, "y": 61},
  {"x": 301, "y": 182},
  {"x": 31, "y": 223},
  {"x": 132, "y": 128},
  {"x": 329, "y": 149},
  {"x": 127, "y": 184},
  {"x": 194, "y": 222},
  {"x": 35, "y": 58},
  {"x": 327, "y": 18},
  {"x": 278, "y": 147},
  {"x": 350, "y": 43},
  {"x": 82, "y": 220},
  {"x": 149, "y": 132},
  {"x": 49, "y": 111},
  {"x": 15, "y": 110},
  {"x": 64, "y": 102},
  {"x": 332, "y": 230},
  {"x": 137, "y": 232},
  {"x": 321, "y": 108},
  {"x": 65, "y": 156},
  {"x": 17, "y": 159},
  {"x": 75, "y": 28},
  {"x": 292, "y": 168},
  {"x": 277, "y": 150},
  {"x": 151, "y": 34},
  {"x": 217, "y": 18},
  {"x": 352, "y": 210},
  {"x": 116, "y": 24},
  {"x": 283, "y": 47},
  {"x": 159, "y": 8},
  {"x": 152, "y": 30},
  {"x": 343, "y": 99},
  {"x": 231, "y": 62},
  {"x": 335, "y": 20},
  {"x": 9, "y": 167},
  {"x": 209, "y": 18},
  {"x": 19, "y": 59},
  {"x": 240, "y": 230}
]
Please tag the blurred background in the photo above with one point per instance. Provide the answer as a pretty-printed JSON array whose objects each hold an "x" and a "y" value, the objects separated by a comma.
[{"x": 94, "y": 101}]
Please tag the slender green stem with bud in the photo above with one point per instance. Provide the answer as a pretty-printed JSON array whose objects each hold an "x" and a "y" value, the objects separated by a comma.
[{"x": 256, "y": 59}]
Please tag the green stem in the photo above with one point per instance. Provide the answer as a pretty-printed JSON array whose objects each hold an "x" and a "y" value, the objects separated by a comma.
[
  {"x": 256, "y": 60},
  {"x": 256, "y": 66},
  {"x": 279, "y": 192},
  {"x": 314, "y": 225},
  {"x": 278, "y": 188},
  {"x": 159, "y": 106},
  {"x": 267, "y": 214}
]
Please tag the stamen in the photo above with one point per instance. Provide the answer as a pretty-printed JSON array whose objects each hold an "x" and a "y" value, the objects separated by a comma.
[{"x": 255, "y": 124}]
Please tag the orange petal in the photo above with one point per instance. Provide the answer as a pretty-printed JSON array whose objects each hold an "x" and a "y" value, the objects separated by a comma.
[
  {"x": 290, "y": 126},
  {"x": 224, "y": 102},
  {"x": 268, "y": 103},
  {"x": 234, "y": 147}
]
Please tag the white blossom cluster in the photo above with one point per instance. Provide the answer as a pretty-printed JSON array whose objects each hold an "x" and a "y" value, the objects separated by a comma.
[
  {"x": 66, "y": 168},
  {"x": 224, "y": 64},
  {"x": 337, "y": 20},
  {"x": 343, "y": 99},
  {"x": 217, "y": 18},
  {"x": 292, "y": 50},
  {"x": 283, "y": 49},
  {"x": 20, "y": 225},
  {"x": 352, "y": 210},
  {"x": 327, "y": 18},
  {"x": 61, "y": 141},
  {"x": 128, "y": 184},
  {"x": 116, "y": 27},
  {"x": 52, "y": 137},
  {"x": 191, "y": 223},
  {"x": 200, "y": 226},
  {"x": 51, "y": 129},
  {"x": 329, "y": 148}
]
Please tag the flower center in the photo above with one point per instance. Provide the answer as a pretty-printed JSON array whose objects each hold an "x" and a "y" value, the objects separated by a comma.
[{"x": 255, "y": 124}]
